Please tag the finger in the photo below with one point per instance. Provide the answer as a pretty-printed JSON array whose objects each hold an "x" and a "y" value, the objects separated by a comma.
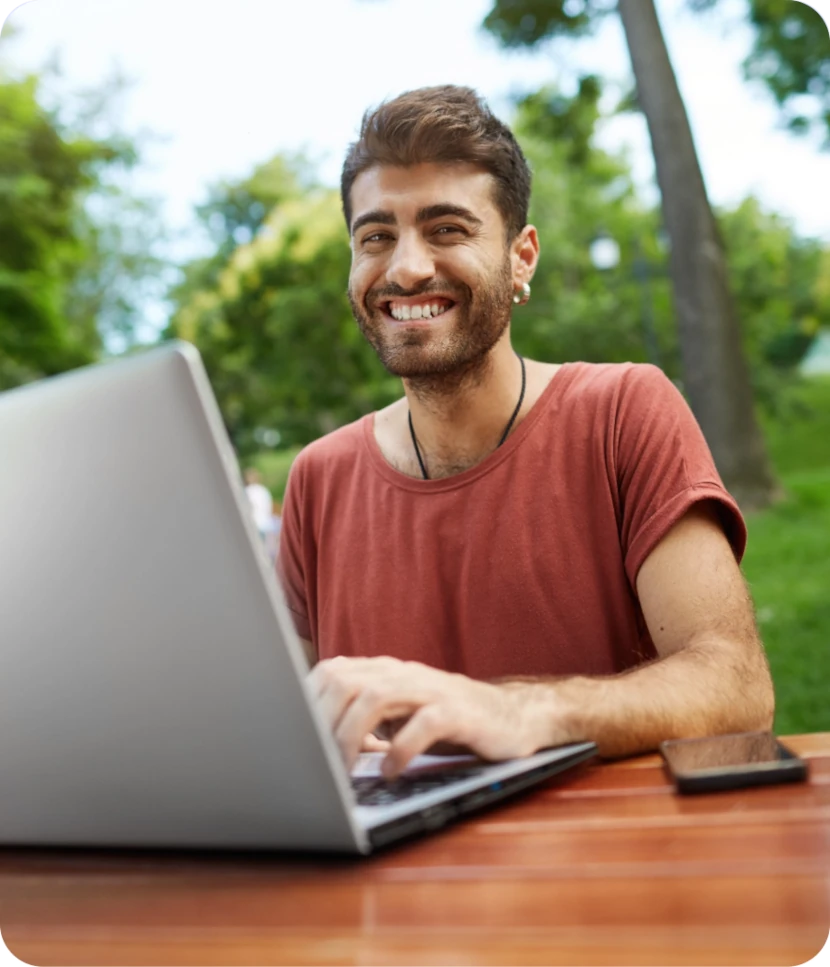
[
  {"x": 390, "y": 727},
  {"x": 389, "y": 691},
  {"x": 427, "y": 726},
  {"x": 334, "y": 687},
  {"x": 325, "y": 672},
  {"x": 365, "y": 714},
  {"x": 371, "y": 743}
]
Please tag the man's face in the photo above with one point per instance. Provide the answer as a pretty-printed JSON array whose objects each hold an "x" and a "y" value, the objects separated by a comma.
[{"x": 431, "y": 281}]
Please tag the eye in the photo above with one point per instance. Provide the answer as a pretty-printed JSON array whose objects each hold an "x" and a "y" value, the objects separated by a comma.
[
  {"x": 447, "y": 231},
  {"x": 374, "y": 238}
]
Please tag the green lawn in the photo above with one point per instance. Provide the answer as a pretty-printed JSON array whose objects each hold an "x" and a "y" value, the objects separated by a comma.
[
  {"x": 274, "y": 466},
  {"x": 788, "y": 562}
]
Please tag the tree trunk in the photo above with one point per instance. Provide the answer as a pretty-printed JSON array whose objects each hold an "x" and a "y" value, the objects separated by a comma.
[{"x": 715, "y": 373}]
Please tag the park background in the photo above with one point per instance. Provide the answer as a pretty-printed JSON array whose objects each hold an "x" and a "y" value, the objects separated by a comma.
[{"x": 170, "y": 170}]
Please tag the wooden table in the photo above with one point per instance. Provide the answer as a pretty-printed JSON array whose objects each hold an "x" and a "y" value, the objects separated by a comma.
[{"x": 606, "y": 865}]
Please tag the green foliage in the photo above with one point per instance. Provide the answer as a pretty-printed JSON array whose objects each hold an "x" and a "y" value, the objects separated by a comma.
[
  {"x": 789, "y": 571},
  {"x": 121, "y": 272},
  {"x": 42, "y": 177},
  {"x": 781, "y": 285},
  {"x": 787, "y": 564},
  {"x": 63, "y": 267},
  {"x": 277, "y": 333},
  {"x": 579, "y": 311},
  {"x": 234, "y": 212},
  {"x": 791, "y": 56},
  {"x": 798, "y": 432},
  {"x": 570, "y": 121},
  {"x": 524, "y": 23},
  {"x": 790, "y": 53}
]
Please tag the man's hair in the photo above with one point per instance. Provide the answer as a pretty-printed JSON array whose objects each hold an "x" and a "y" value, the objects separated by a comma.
[{"x": 442, "y": 125}]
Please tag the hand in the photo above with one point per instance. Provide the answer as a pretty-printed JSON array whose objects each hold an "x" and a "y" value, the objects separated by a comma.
[
  {"x": 357, "y": 695},
  {"x": 371, "y": 743}
]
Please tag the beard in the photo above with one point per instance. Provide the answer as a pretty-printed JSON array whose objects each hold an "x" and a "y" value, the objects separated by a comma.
[{"x": 435, "y": 360}]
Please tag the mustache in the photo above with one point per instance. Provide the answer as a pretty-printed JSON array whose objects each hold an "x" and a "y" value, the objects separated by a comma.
[{"x": 393, "y": 291}]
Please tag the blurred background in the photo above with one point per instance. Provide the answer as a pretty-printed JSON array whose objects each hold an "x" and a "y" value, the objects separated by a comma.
[{"x": 171, "y": 171}]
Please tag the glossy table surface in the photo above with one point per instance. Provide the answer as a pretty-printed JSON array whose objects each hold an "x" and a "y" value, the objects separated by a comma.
[{"x": 604, "y": 865}]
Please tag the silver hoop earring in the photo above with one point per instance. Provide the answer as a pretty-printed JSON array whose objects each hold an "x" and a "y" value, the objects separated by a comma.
[{"x": 522, "y": 298}]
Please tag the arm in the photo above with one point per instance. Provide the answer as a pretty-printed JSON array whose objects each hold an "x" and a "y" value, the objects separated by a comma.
[{"x": 711, "y": 675}]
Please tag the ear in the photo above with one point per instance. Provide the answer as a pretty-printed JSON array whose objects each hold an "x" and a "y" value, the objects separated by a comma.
[{"x": 524, "y": 254}]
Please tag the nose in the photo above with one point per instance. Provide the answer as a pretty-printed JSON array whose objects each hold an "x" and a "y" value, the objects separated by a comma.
[{"x": 411, "y": 263}]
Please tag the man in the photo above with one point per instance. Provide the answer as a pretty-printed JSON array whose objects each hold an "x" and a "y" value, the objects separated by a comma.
[{"x": 515, "y": 554}]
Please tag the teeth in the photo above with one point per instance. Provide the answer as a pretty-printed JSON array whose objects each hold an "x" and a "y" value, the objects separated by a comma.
[{"x": 405, "y": 313}]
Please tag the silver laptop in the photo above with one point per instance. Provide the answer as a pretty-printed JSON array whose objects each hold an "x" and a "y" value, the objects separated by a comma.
[{"x": 152, "y": 686}]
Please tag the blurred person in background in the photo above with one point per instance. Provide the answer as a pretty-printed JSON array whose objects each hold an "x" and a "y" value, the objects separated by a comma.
[
  {"x": 515, "y": 554},
  {"x": 262, "y": 503}
]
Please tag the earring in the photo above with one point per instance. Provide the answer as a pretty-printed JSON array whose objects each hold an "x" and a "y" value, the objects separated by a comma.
[{"x": 522, "y": 298}]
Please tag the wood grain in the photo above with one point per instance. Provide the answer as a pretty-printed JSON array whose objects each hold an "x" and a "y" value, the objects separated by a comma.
[{"x": 606, "y": 865}]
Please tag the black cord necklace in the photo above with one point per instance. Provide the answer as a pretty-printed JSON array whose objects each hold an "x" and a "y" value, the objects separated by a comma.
[{"x": 507, "y": 429}]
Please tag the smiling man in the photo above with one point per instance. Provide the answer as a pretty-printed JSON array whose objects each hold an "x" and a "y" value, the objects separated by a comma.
[{"x": 515, "y": 554}]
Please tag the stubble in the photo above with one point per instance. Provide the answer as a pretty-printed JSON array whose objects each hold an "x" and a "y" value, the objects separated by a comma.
[{"x": 439, "y": 366}]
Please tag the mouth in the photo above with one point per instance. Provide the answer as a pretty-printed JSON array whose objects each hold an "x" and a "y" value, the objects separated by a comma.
[{"x": 420, "y": 311}]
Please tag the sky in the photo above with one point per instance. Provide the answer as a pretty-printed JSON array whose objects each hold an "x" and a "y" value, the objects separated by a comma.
[{"x": 224, "y": 86}]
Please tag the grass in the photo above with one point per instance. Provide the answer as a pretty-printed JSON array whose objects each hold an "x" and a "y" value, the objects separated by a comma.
[
  {"x": 787, "y": 562},
  {"x": 274, "y": 466}
]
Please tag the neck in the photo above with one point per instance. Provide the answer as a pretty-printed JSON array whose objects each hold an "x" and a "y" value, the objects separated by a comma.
[{"x": 459, "y": 418}]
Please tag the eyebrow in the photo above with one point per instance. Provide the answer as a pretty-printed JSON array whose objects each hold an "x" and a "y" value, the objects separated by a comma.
[{"x": 380, "y": 216}]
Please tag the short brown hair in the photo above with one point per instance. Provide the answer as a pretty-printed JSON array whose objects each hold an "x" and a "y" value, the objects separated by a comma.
[{"x": 446, "y": 124}]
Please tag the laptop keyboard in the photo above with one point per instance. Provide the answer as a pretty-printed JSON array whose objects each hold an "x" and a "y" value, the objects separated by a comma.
[{"x": 376, "y": 791}]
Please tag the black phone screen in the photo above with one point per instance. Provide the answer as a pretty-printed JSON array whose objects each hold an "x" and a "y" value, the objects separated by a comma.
[{"x": 726, "y": 761}]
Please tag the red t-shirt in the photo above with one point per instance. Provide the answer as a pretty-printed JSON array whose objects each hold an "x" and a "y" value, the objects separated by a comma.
[{"x": 522, "y": 565}]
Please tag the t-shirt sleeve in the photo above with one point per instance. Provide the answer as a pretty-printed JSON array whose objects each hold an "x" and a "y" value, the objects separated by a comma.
[
  {"x": 663, "y": 467},
  {"x": 290, "y": 569}
]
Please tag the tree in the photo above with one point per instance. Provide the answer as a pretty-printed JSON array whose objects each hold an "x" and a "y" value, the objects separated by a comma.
[
  {"x": 580, "y": 192},
  {"x": 276, "y": 332},
  {"x": 57, "y": 298},
  {"x": 39, "y": 248},
  {"x": 791, "y": 56},
  {"x": 779, "y": 280},
  {"x": 781, "y": 286},
  {"x": 716, "y": 378},
  {"x": 234, "y": 212}
]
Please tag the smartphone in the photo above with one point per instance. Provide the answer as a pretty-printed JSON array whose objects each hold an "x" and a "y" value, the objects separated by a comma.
[{"x": 730, "y": 762}]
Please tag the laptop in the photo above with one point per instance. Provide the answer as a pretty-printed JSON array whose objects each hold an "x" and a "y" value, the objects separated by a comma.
[{"x": 153, "y": 689}]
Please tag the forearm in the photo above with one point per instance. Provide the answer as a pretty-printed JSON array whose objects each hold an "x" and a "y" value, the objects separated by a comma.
[{"x": 703, "y": 689}]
